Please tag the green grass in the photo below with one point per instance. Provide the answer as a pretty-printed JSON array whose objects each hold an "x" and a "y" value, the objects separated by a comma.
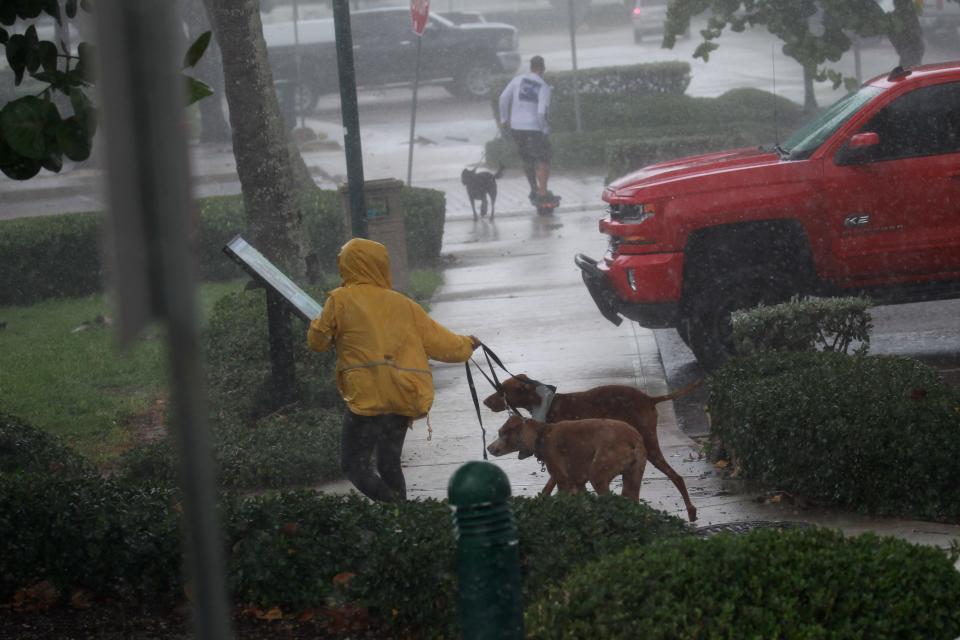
[
  {"x": 77, "y": 385},
  {"x": 74, "y": 382}
]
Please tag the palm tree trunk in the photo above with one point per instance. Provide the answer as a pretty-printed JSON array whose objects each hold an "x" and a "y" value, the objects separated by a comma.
[{"x": 272, "y": 172}]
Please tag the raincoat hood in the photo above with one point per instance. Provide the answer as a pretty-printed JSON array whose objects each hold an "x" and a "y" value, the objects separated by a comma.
[{"x": 364, "y": 262}]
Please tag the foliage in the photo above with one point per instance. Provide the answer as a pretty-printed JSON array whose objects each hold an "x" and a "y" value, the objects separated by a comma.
[
  {"x": 627, "y": 156},
  {"x": 827, "y": 324},
  {"x": 33, "y": 133},
  {"x": 838, "y": 429},
  {"x": 57, "y": 256},
  {"x": 813, "y": 31},
  {"x": 26, "y": 449},
  {"x": 768, "y": 584},
  {"x": 296, "y": 448},
  {"x": 88, "y": 533},
  {"x": 623, "y": 82}
]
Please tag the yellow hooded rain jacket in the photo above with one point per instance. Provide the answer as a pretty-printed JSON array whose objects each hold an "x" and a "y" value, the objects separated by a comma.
[{"x": 382, "y": 337}]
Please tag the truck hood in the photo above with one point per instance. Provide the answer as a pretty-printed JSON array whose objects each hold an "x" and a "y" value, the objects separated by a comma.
[{"x": 690, "y": 168}]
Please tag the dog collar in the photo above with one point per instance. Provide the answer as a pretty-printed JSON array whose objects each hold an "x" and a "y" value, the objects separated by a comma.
[{"x": 546, "y": 393}]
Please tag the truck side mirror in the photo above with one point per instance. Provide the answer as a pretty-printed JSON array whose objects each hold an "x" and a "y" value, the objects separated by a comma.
[{"x": 858, "y": 148}]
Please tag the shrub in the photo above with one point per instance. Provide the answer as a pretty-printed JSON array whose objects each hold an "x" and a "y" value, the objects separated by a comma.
[
  {"x": 57, "y": 256},
  {"x": 625, "y": 157},
  {"x": 85, "y": 532},
  {"x": 768, "y": 584},
  {"x": 834, "y": 428},
  {"x": 49, "y": 257},
  {"x": 619, "y": 82},
  {"x": 26, "y": 449},
  {"x": 297, "y": 448},
  {"x": 237, "y": 347},
  {"x": 288, "y": 547},
  {"x": 828, "y": 324}
]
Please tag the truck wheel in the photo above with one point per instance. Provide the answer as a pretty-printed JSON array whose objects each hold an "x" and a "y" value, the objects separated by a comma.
[
  {"x": 305, "y": 98},
  {"x": 708, "y": 328},
  {"x": 475, "y": 81}
]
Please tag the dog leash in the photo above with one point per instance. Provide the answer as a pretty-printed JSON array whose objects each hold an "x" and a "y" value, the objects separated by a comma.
[{"x": 489, "y": 354}]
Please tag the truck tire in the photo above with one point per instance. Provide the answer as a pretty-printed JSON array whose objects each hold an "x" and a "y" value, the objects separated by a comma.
[
  {"x": 475, "y": 80},
  {"x": 707, "y": 318}
]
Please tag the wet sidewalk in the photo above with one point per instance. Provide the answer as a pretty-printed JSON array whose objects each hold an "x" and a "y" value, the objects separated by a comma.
[{"x": 513, "y": 283}]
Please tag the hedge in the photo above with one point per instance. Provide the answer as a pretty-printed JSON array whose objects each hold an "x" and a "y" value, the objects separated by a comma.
[
  {"x": 58, "y": 256},
  {"x": 257, "y": 444},
  {"x": 657, "y": 127},
  {"x": 872, "y": 434},
  {"x": 789, "y": 584},
  {"x": 617, "y": 82}
]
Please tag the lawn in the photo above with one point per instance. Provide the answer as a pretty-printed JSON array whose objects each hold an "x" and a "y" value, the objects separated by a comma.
[{"x": 60, "y": 368}]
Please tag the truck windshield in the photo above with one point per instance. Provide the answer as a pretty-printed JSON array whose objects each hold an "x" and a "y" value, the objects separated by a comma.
[{"x": 809, "y": 138}]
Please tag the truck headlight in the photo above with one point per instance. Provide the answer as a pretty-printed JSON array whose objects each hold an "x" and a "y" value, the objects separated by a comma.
[{"x": 632, "y": 213}]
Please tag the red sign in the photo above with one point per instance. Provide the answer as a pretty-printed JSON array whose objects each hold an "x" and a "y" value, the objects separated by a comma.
[{"x": 419, "y": 12}]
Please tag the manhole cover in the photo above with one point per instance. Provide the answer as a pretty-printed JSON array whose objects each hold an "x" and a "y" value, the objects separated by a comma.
[{"x": 746, "y": 527}]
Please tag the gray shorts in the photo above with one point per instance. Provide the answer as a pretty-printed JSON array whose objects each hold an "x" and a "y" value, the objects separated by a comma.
[{"x": 534, "y": 146}]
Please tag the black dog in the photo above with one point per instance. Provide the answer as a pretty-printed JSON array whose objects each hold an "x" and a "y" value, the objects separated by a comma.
[{"x": 481, "y": 185}]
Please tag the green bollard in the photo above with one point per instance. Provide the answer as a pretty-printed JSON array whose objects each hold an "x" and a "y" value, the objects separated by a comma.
[{"x": 488, "y": 553}]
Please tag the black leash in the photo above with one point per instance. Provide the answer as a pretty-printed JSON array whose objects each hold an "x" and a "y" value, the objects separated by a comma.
[{"x": 494, "y": 382}]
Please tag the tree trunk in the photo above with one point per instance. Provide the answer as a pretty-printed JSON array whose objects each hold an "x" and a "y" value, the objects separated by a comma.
[
  {"x": 809, "y": 96},
  {"x": 905, "y": 33},
  {"x": 271, "y": 170},
  {"x": 213, "y": 121}
]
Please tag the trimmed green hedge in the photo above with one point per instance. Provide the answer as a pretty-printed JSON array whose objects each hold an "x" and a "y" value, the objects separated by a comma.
[
  {"x": 873, "y": 434},
  {"x": 625, "y": 157},
  {"x": 767, "y": 584},
  {"x": 26, "y": 449},
  {"x": 58, "y": 256}
]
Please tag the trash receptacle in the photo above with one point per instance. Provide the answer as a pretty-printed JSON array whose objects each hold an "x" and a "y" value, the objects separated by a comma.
[{"x": 386, "y": 223}]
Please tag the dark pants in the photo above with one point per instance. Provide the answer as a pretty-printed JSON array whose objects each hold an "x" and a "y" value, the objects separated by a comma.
[{"x": 362, "y": 437}]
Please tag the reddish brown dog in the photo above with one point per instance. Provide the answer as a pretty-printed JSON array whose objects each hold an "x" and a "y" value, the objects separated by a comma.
[
  {"x": 578, "y": 451},
  {"x": 616, "y": 402}
]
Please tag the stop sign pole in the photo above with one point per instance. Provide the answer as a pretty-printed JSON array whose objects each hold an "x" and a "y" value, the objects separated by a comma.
[{"x": 419, "y": 13}]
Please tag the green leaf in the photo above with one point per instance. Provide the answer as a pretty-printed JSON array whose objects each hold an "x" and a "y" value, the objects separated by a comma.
[
  {"x": 53, "y": 163},
  {"x": 47, "y": 52},
  {"x": 8, "y": 13},
  {"x": 86, "y": 53},
  {"x": 197, "y": 49},
  {"x": 15, "y": 166},
  {"x": 29, "y": 9},
  {"x": 17, "y": 49},
  {"x": 4, "y": 36},
  {"x": 70, "y": 8},
  {"x": 196, "y": 90},
  {"x": 23, "y": 123},
  {"x": 52, "y": 7},
  {"x": 74, "y": 139}
]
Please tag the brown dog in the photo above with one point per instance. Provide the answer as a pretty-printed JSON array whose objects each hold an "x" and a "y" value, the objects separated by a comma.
[
  {"x": 615, "y": 402},
  {"x": 578, "y": 451}
]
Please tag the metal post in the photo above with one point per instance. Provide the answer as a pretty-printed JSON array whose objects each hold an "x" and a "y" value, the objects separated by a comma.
[
  {"x": 413, "y": 111},
  {"x": 573, "y": 53},
  {"x": 296, "y": 58},
  {"x": 282, "y": 367},
  {"x": 351, "y": 118},
  {"x": 857, "y": 69},
  {"x": 488, "y": 555}
]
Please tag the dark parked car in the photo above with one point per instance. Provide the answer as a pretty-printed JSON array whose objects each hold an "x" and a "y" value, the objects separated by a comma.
[{"x": 461, "y": 57}]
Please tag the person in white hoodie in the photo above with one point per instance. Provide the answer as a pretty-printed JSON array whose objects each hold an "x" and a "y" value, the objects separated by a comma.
[{"x": 524, "y": 112}]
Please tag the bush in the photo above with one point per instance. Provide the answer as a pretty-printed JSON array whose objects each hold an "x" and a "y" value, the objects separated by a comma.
[
  {"x": 57, "y": 256},
  {"x": 85, "y": 532},
  {"x": 767, "y": 584},
  {"x": 618, "y": 82},
  {"x": 297, "y": 448},
  {"x": 626, "y": 157},
  {"x": 288, "y": 547},
  {"x": 827, "y": 324},
  {"x": 26, "y": 449},
  {"x": 874, "y": 434},
  {"x": 49, "y": 257}
]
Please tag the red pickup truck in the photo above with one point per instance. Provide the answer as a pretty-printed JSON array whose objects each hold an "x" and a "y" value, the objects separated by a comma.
[{"x": 863, "y": 199}]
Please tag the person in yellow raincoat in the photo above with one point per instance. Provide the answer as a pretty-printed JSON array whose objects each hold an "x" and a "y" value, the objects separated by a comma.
[{"x": 383, "y": 340}]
